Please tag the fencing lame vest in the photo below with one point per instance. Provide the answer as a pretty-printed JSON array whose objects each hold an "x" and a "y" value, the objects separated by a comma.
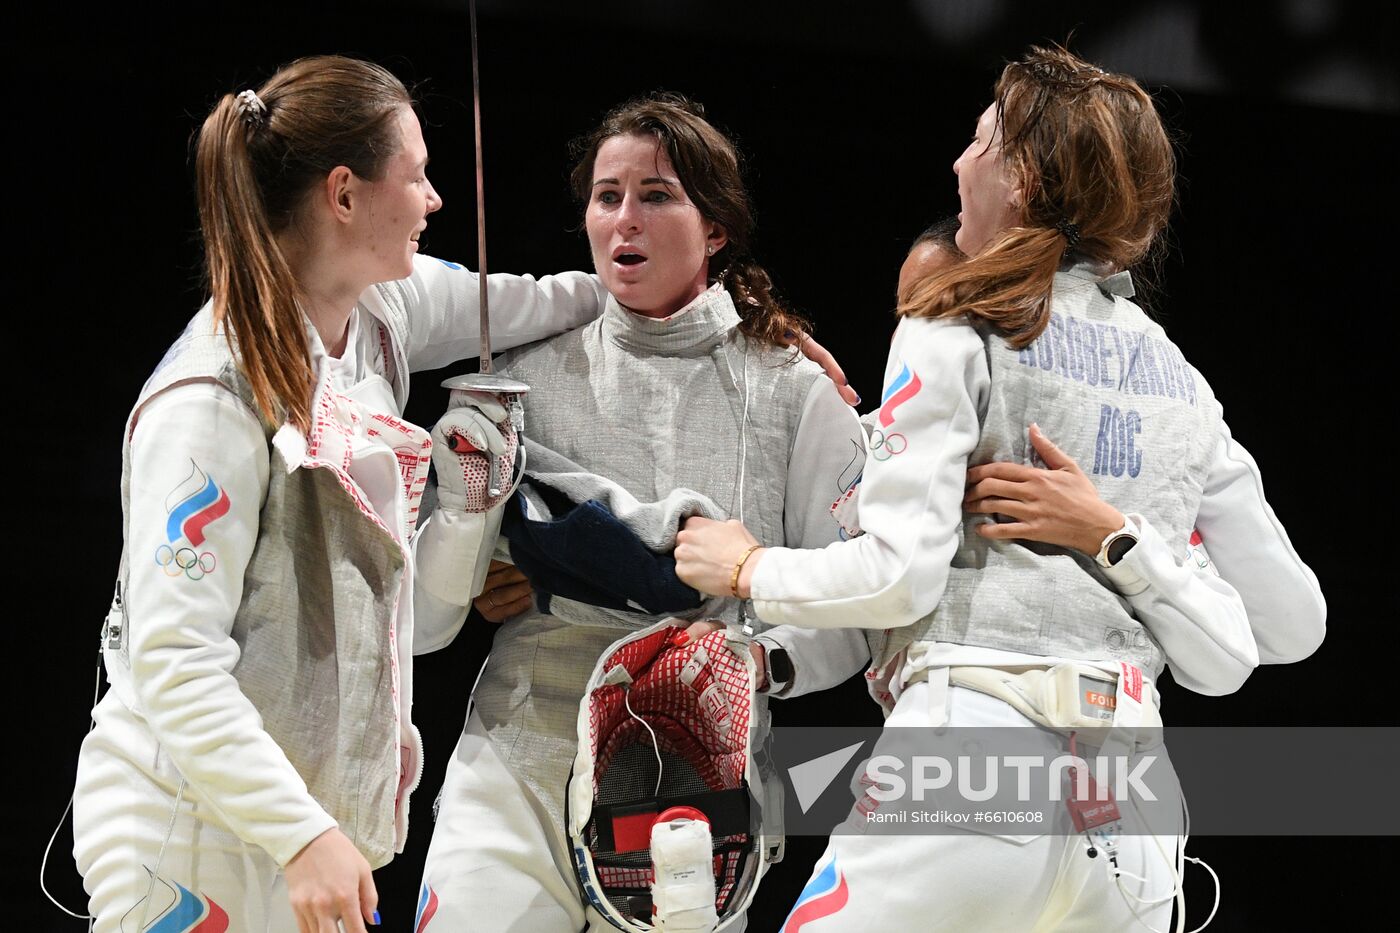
[
  {"x": 314, "y": 620},
  {"x": 1106, "y": 385},
  {"x": 654, "y": 406}
]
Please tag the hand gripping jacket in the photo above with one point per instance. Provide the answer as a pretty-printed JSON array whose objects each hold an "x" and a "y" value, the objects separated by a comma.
[{"x": 691, "y": 707}]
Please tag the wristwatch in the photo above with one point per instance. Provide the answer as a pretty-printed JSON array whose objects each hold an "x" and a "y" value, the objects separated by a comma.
[
  {"x": 779, "y": 666},
  {"x": 1118, "y": 543}
]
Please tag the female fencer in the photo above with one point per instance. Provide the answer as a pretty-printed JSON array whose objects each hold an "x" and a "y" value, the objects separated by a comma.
[
  {"x": 1066, "y": 184},
  {"x": 683, "y": 382}
]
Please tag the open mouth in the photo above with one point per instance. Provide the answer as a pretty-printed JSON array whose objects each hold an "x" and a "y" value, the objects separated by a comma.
[{"x": 628, "y": 255}]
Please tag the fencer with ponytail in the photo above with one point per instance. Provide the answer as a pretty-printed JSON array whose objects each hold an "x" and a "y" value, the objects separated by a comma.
[
  {"x": 259, "y": 155},
  {"x": 1093, "y": 170}
]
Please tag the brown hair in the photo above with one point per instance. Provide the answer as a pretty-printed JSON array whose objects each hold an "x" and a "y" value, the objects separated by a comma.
[
  {"x": 255, "y": 161},
  {"x": 707, "y": 166},
  {"x": 1096, "y": 172},
  {"x": 941, "y": 235}
]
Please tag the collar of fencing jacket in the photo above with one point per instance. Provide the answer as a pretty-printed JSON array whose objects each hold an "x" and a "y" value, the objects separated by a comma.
[
  {"x": 1110, "y": 283},
  {"x": 698, "y": 327}
]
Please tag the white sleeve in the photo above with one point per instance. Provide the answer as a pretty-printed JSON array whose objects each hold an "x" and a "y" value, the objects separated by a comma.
[
  {"x": 452, "y": 554},
  {"x": 828, "y": 452},
  {"x": 199, "y": 474},
  {"x": 1197, "y": 618},
  {"x": 910, "y": 499},
  {"x": 442, "y": 301},
  {"x": 1250, "y": 548}
]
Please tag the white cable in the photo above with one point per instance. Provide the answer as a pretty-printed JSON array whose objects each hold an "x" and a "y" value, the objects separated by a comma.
[
  {"x": 44, "y": 864},
  {"x": 1177, "y": 891},
  {"x": 1177, "y": 886},
  {"x": 1219, "y": 888},
  {"x": 741, "y": 619},
  {"x": 1181, "y": 869},
  {"x": 743, "y": 425},
  {"x": 1177, "y": 868},
  {"x": 655, "y": 745},
  {"x": 160, "y": 856},
  {"x": 744, "y": 439}
]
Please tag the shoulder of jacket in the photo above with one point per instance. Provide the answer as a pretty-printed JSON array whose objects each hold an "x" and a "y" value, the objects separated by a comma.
[{"x": 542, "y": 355}]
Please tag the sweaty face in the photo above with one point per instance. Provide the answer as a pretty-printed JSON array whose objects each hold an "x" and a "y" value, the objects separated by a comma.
[
  {"x": 648, "y": 239},
  {"x": 399, "y": 205},
  {"x": 990, "y": 201}
]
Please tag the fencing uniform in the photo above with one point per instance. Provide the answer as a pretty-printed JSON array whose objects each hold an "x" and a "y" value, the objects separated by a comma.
[
  {"x": 653, "y": 405},
  {"x": 259, "y": 656},
  {"x": 1105, "y": 383}
]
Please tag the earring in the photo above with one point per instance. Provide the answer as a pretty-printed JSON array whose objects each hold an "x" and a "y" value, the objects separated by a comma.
[{"x": 709, "y": 251}]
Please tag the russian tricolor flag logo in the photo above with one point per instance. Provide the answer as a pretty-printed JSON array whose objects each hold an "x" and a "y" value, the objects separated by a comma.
[
  {"x": 192, "y": 505},
  {"x": 427, "y": 906},
  {"x": 183, "y": 912},
  {"x": 824, "y": 895},
  {"x": 904, "y": 387}
]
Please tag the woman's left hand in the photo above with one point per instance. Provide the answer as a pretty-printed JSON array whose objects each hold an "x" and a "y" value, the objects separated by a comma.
[
  {"x": 707, "y": 552},
  {"x": 1059, "y": 505},
  {"x": 506, "y": 593},
  {"x": 698, "y": 630}
]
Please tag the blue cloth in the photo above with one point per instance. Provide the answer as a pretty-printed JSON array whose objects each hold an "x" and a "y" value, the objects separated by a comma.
[{"x": 586, "y": 554}]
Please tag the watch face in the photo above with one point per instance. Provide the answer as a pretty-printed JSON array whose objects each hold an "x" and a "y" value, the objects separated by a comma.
[
  {"x": 1119, "y": 548},
  {"x": 779, "y": 666}
]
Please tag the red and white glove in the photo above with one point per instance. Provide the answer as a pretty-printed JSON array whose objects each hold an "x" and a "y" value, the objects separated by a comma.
[{"x": 474, "y": 432}]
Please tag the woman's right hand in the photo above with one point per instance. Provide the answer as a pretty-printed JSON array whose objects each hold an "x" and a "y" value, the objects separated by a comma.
[
  {"x": 473, "y": 437},
  {"x": 328, "y": 881}
]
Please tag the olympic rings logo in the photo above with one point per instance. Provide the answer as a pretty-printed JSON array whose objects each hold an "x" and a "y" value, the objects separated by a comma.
[
  {"x": 883, "y": 447},
  {"x": 185, "y": 560}
]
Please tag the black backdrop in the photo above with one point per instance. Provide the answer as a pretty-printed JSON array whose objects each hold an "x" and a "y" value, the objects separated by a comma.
[{"x": 1276, "y": 288}]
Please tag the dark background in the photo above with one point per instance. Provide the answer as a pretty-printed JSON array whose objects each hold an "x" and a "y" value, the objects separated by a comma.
[{"x": 1278, "y": 286}]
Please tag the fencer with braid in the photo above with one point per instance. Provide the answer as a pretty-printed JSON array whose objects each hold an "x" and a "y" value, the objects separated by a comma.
[{"x": 682, "y": 382}]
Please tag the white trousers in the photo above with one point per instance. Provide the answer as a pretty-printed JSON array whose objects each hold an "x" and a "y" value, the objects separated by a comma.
[
  {"x": 496, "y": 862},
  {"x": 208, "y": 881},
  {"x": 965, "y": 880}
]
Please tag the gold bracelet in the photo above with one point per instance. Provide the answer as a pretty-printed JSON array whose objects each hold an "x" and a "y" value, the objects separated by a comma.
[{"x": 734, "y": 577}]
